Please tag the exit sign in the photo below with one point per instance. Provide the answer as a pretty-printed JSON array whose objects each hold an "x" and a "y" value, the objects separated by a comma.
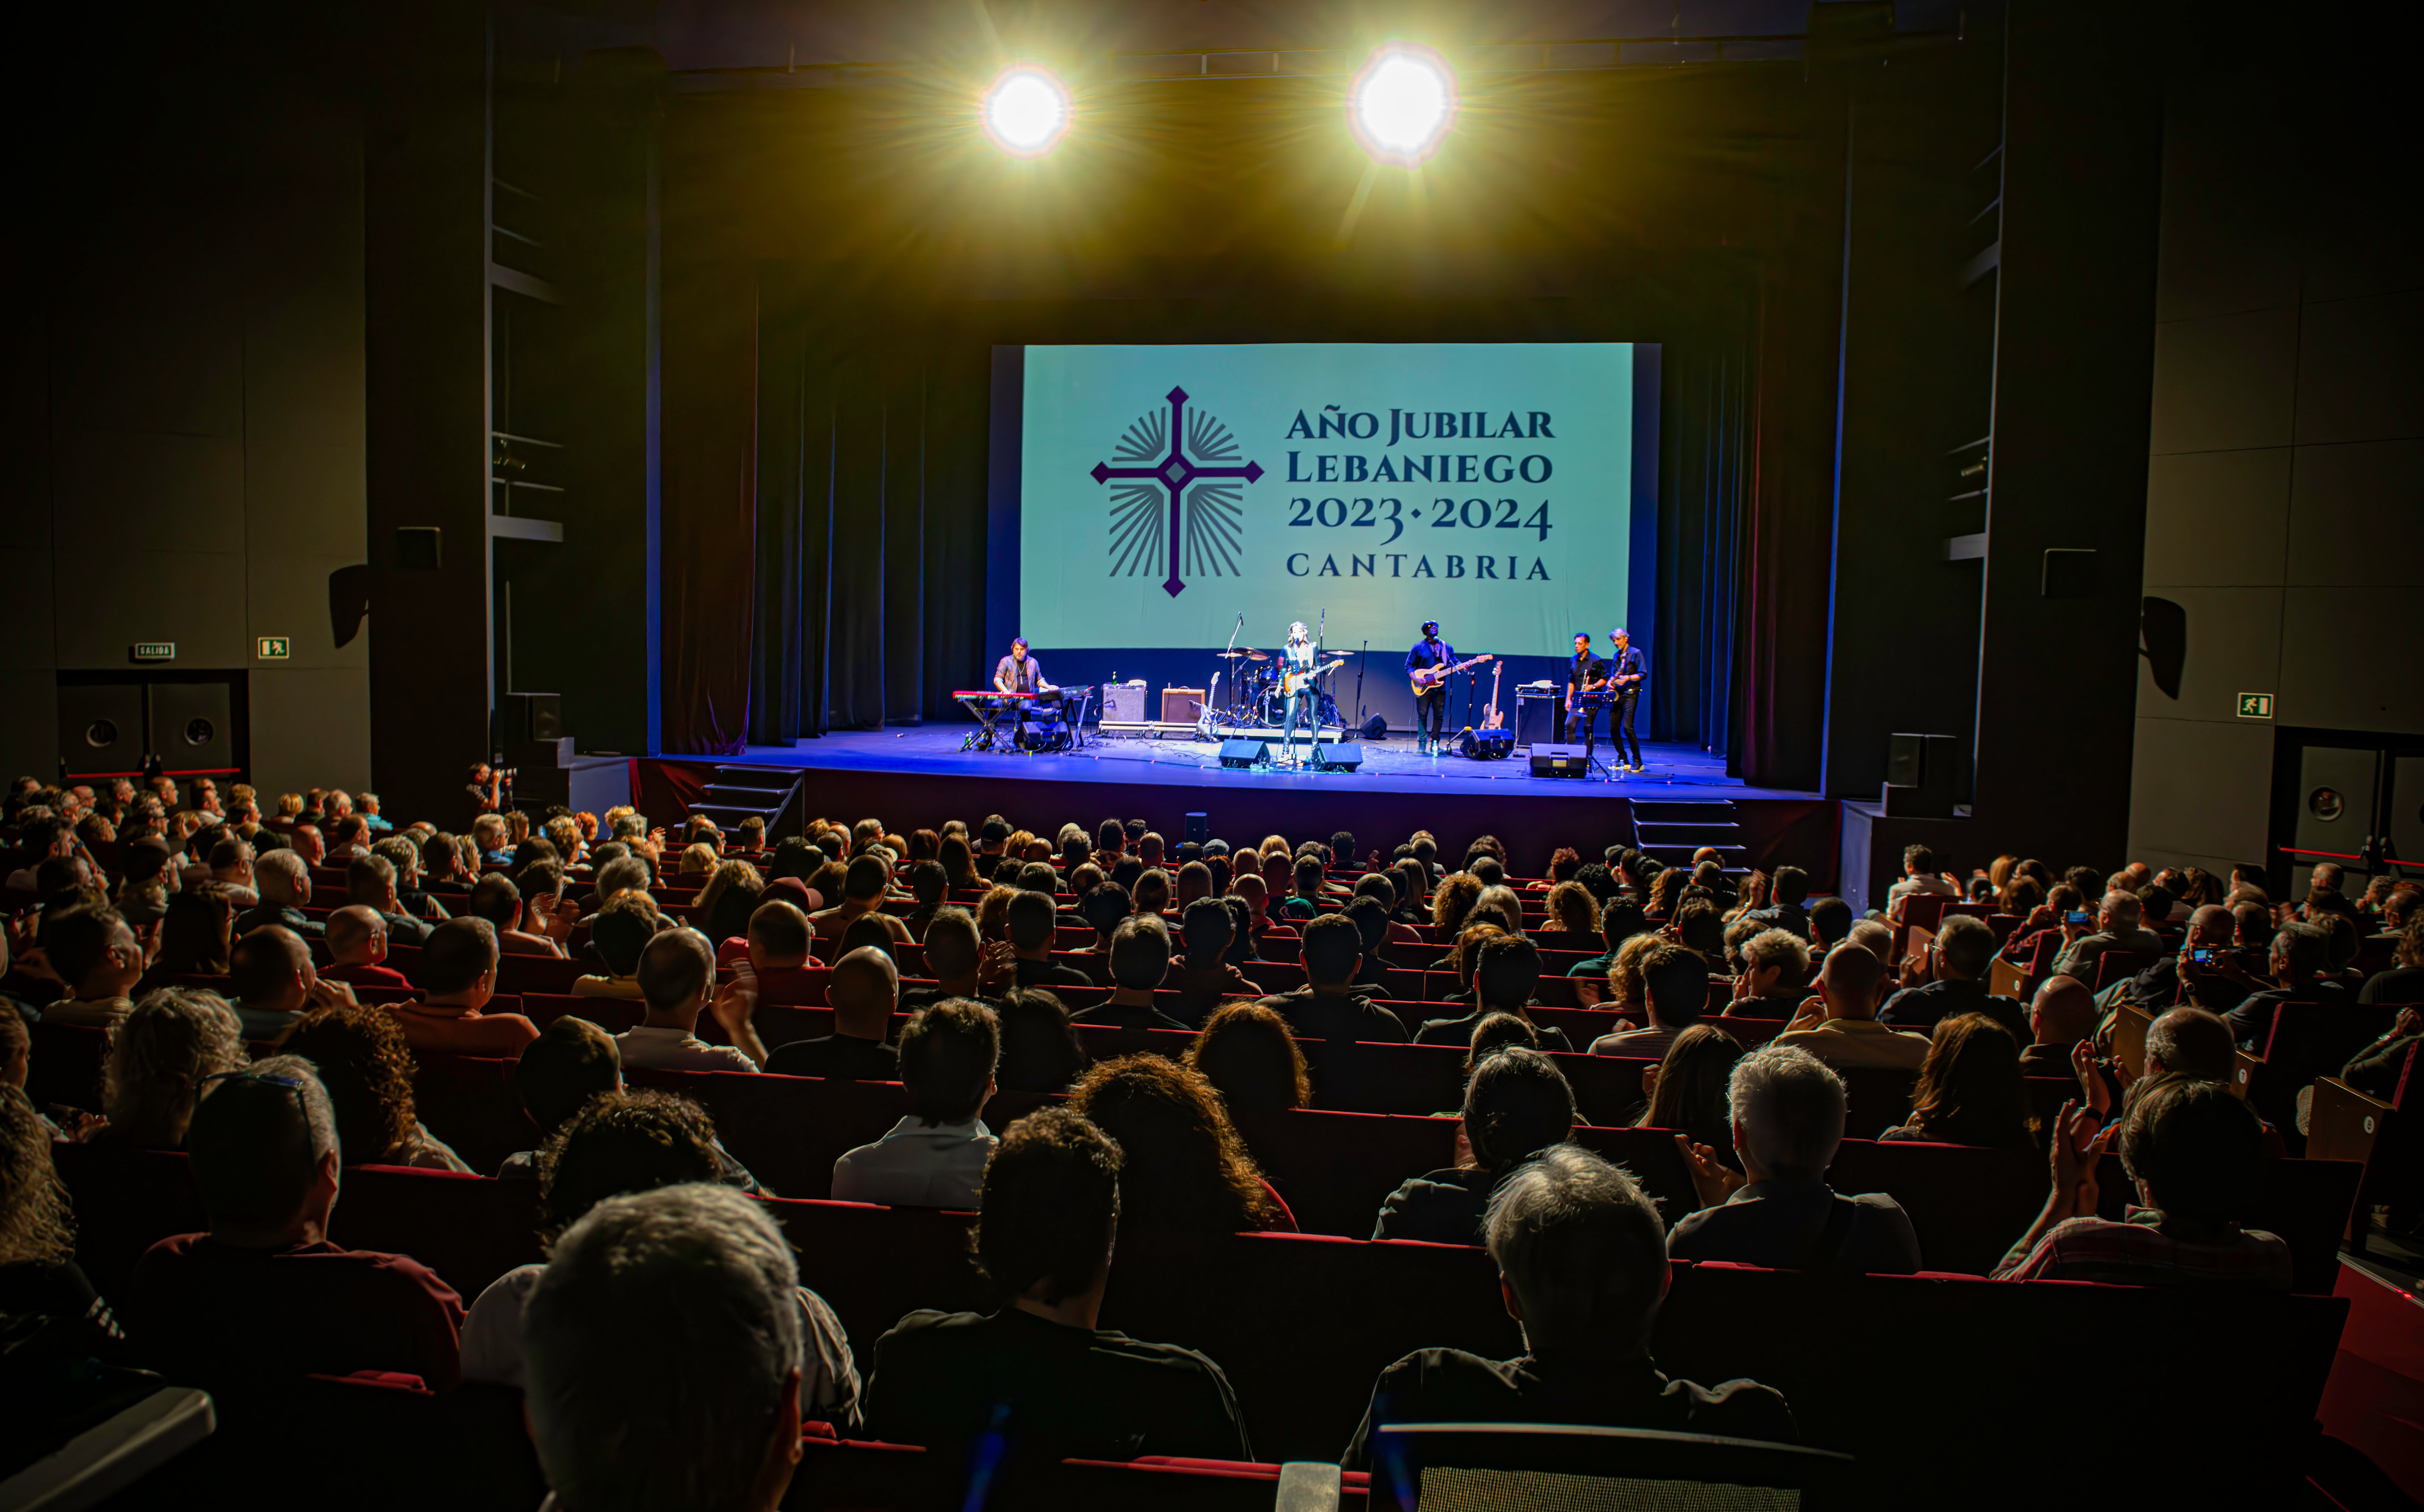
[
  {"x": 2255, "y": 705},
  {"x": 154, "y": 651},
  {"x": 273, "y": 647}
]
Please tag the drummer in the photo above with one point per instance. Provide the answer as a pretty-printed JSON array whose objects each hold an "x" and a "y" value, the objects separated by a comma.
[{"x": 1019, "y": 672}]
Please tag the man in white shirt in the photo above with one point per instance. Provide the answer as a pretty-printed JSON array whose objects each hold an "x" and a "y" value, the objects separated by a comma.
[
  {"x": 1922, "y": 875},
  {"x": 1839, "y": 1025},
  {"x": 935, "y": 1157},
  {"x": 677, "y": 982}
]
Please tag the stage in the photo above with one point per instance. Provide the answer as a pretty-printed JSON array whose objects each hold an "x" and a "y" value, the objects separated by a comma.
[{"x": 920, "y": 777}]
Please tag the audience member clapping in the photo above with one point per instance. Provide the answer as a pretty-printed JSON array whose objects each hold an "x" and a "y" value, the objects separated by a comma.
[
  {"x": 677, "y": 983},
  {"x": 1845, "y": 1031}
]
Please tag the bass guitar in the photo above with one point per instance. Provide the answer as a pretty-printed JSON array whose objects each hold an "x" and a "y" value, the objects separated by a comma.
[
  {"x": 1430, "y": 678},
  {"x": 1496, "y": 720}
]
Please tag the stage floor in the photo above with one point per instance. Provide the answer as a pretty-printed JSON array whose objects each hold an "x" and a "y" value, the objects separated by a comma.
[{"x": 1675, "y": 771}]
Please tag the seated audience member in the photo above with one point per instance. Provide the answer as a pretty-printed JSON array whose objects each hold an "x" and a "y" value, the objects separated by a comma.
[
  {"x": 927, "y": 884},
  {"x": 2161, "y": 985},
  {"x": 2117, "y": 928},
  {"x": 176, "y": 1039},
  {"x": 358, "y": 948},
  {"x": 956, "y": 958},
  {"x": 1503, "y": 971},
  {"x": 1922, "y": 875},
  {"x": 1030, "y": 923},
  {"x": 271, "y": 973},
  {"x": 1139, "y": 959},
  {"x": 2061, "y": 1016},
  {"x": 864, "y": 990},
  {"x": 497, "y": 900},
  {"x": 1040, "y": 1052},
  {"x": 2190, "y": 1148},
  {"x": 1876, "y": 937},
  {"x": 1830, "y": 924},
  {"x": 1038, "y": 1371},
  {"x": 1783, "y": 911},
  {"x": 93, "y": 953},
  {"x": 1848, "y": 1034},
  {"x": 677, "y": 984},
  {"x": 2300, "y": 972},
  {"x": 935, "y": 1155},
  {"x": 1688, "y": 1091},
  {"x": 1677, "y": 980},
  {"x": 1774, "y": 979},
  {"x": 730, "y": 896},
  {"x": 230, "y": 866},
  {"x": 1205, "y": 977},
  {"x": 1250, "y": 1058},
  {"x": 864, "y": 882},
  {"x": 621, "y": 1143},
  {"x": 1268, "y": 937},
  {"x": 1581, "y": 1266},
  {"x": 1516, "y": 1106},
  {"x": 1969, "y": 1089},
  {"x": 2403, "y": 983},
  {"x": 1777, "y": 1211},
  {"x": 1370, "y": 917},
  {"x": 265, "y": 1160},
  {"x": 369, "y": 880},
  {"x": 617, "y": 933},
  {"x": 1950, "y": 980},
  {"x": 366, "y": 1067},
  {"x": 667, "y": 1357},
  {"x": 772, "y": 959},
  {"x": 38, "y": 1274},
  {"x": 571, "y": 1062},
  {"x": 1328, "y": 1007},
  {"x": 2377, "y": 1069},
  {"x": 1187, "y": 1172},
  {"x": 458, "y": 976},
  {"x": 617, "y": 875},
  {"x": 284, "y": 883}
]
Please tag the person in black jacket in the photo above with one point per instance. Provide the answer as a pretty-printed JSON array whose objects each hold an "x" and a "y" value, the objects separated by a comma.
[{"x": 1516, "y": 1106}]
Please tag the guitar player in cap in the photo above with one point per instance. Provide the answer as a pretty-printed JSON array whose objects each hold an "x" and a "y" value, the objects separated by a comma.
[{"x": 1423, "y": 664}]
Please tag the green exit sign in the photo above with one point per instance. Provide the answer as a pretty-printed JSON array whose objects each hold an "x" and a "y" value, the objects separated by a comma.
[
  {"x": 2255, "y": 705},
  {"x": 273, "y": 647},
  {"x": 154, "y": 651}
]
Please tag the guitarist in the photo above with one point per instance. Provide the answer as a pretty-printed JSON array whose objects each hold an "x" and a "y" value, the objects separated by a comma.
[
  {"x": 1625, "y": 673},
  {"x": 1431, "y": 704},
  {"x": 1586, "y": 673}
]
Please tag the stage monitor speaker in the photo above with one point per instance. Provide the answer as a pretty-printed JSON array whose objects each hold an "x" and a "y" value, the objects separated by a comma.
[
  {"x": 1239, "y": 754},
  {"x": 1182, "y": 706},
  {"x": 1376, "y": 728},
  {"x": 1123, "y": 702},
  {"x": 1344, "y": 756},
  {"x": 1536, "y": 718},
  {"x": 1559, "y": 761},
  {"x": 1199, "y": 828},
  {"x": 1920, "y": 776},
  {"x": 1486, "y": 746}
]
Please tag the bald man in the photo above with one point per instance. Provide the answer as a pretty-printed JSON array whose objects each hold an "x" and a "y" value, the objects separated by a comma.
[
  {"x": 677, "y": 983},
  {"x": 271, "y": 973},
  {"x": 864, "y": 990},
  {"x": 1840, "y": 1024},
  {"x": 358, "y": 940},
  {"x": 2210, "y": 927},
  {"x": 2061, "y": 1016}
]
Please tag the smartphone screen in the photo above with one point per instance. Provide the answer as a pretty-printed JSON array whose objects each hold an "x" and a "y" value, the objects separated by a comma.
[
  {"x": 2077, "y": 915},
  {"x": 2206, "y": 955}
]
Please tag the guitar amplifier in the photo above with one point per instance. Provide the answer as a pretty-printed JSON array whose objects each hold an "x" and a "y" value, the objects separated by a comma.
[
  {"x": 1536, "y": 719},
  {"x": 1123, "y": 702},
  {"x": 1182, "y": 706}
]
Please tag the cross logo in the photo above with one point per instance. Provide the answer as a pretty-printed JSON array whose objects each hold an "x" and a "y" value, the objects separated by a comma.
[{"x": 1190, "y": 461}]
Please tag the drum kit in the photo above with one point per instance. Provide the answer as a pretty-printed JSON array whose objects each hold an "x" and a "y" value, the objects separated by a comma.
[{"x": 1256, "y": 691}]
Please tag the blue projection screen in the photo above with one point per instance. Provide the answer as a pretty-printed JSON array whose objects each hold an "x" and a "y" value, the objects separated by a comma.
[{"x": 1165, "y": 490}]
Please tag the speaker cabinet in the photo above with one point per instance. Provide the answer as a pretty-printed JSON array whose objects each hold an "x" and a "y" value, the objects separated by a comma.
[
  {"x": 1920, "y": 776},
  {"x": 1342, "y": 756},
  {"x": 1182, "y": 706},
  {"x": 1536, "y": 719},
  {"x": 1486, "y": 746},
  {"x": 1550, "y": 760},
  {"x": 1240, "y": 754},
  {"x": 1123, "y": 702},
  {"x": 1199, "y": 828}
]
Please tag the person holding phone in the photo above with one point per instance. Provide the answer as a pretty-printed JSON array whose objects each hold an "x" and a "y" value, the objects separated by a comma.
[
  {"x": 2117, "y": 928},
  {"x": 2163, "y": 985}
]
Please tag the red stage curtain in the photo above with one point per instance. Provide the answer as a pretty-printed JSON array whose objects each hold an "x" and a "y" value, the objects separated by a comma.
[{"x": 709, "y": 504}]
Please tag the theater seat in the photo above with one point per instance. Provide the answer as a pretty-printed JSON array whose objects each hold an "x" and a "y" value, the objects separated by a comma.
[{"x": 1478, "y": 1465}]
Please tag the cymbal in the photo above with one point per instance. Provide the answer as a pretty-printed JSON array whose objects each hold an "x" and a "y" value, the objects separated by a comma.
[{"x": 1249, "y": 655}]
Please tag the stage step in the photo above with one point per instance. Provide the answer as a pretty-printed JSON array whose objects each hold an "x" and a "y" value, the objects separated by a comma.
[
  {"x": 735, "y": 793},
  {"x": 1670, "y": 829}
]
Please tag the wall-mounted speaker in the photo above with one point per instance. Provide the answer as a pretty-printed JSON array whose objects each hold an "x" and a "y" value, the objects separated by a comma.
[{"x": 417, "y": 549}]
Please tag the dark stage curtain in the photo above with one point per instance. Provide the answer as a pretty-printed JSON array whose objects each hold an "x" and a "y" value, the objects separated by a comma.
[
  {"x": 1703, "y": 493},
  {"x": 870, "y": 532},
  {"x": 710, "y": 525}
]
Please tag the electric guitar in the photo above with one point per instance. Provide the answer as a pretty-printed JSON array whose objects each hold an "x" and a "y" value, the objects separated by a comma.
[
  {"x": 1430, "y": 678},
  {"x": 1293, "y": 682},
  {"x": 1496, "y": 720}
]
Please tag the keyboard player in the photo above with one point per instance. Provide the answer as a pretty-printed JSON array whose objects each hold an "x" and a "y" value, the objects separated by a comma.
[{"x": 1020, "y": 673}]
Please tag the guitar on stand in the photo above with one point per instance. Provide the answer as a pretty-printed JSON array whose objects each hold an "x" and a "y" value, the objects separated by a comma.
[
  {"x": 1495, "y": 721},
  {"x": 1490, "y": 741}
]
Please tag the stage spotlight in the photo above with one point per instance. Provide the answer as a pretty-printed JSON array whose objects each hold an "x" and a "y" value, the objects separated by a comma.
[
  {"x": 1027, "y": 111},
  {"x": 1403, "y": 104}
]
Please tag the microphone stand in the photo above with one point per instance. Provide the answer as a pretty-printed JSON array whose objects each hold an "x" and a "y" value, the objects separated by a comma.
[
  {"x": 1228, "y": 663},
  {"x": 1361, "y": 664}
]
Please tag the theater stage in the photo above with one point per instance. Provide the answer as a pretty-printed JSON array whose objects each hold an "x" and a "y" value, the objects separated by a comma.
[{"x": 920, "y": 777}]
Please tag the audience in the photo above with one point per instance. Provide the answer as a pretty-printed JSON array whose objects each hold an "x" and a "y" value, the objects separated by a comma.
[
  {"x": 265, "y": 1158},
  {"x": 96, "y": 956},
  {"x": 1687, "y": 1091},
  {"x": 1774, "y": 979},
  {"x": 2117, "y": 928},
  {"x": 935, "y": 1155},
  {"x": 1583, "y": 1268},
  {"x": 1205, "y": 975},
  {"x": 176, "y": 1039},
  {"x": 1138, "y": 960},
  {"x": 358, "y": 950},
  {"x": 366, "y": 1067},
  {"x": 1037, "y": 1376},
  {"x": 1677, "y": 982},
  {"x": 1040, "y": 1052},
  {"x": 1501, "y": 972},
  {"x": 1948, "y": 978},
  {"x": 1778, "y": 1210}
]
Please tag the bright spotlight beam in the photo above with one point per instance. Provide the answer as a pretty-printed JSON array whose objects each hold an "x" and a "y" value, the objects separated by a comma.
[
  {"x": 1026, "y": 112},
  {"x": 1403, "y": 104}
]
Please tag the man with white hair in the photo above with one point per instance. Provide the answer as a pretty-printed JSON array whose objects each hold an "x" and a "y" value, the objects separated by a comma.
[
  {"x": 1947, "y": 978},
  {"x": 1777, "y": 1211},
  {"x": 1848, "y": 1033},
  {"x": 2117, "y": 928},
  {"x": 662, "y": 1347},
  {"x": 284, "y": 883},
  {"x": 1581, "y": 1266},
  {"x": 262, "y": 1144}
]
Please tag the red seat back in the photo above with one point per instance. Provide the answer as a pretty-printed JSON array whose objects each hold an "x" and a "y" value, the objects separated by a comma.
[{"x": 1967, "y": 1204}]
